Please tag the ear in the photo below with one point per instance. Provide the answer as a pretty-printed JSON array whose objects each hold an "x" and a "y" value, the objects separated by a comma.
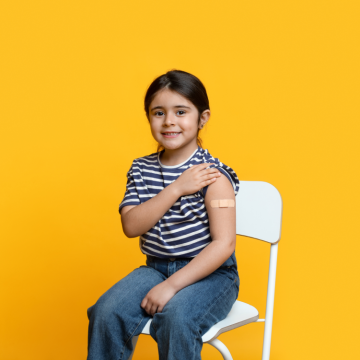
[{"x": 204, "y": 118}]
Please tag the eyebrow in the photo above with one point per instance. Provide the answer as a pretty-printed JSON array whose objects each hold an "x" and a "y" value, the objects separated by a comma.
[{"x": 176, "y": 106}]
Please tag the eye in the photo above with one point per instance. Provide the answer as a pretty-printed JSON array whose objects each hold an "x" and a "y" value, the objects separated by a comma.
[
  {"x": 159, "y": 113},
  {"x": 182, "y": 112}
]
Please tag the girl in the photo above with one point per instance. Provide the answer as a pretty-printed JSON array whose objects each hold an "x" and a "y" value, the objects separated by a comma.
[{"x": 190, "y": 280}]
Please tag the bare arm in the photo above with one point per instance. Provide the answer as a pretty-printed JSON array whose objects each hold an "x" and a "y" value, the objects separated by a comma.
[
  {"x": 137, "y": 220},
  {"x": 223, "y": 233}
]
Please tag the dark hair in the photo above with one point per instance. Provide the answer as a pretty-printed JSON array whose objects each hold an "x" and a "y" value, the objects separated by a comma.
[{"x": 184, "y": 83}]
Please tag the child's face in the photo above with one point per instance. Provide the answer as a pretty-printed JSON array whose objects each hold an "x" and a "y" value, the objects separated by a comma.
[{"x": 173, "y": 120}]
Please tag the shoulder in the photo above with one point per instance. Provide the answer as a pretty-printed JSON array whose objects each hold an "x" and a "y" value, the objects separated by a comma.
[
  {"x": 226, "y": 170},
  {"x": 220, "y": 189}
]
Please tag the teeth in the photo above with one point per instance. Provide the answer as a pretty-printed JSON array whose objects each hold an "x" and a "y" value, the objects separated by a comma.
[{"x": 171, "y": 133}]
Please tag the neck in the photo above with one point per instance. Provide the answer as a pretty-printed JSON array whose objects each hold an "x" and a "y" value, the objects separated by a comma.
[{"x": 171, "y": 157}]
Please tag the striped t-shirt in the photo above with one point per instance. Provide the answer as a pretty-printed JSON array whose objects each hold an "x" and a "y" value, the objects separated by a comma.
[{"x": 184, "y": 229}]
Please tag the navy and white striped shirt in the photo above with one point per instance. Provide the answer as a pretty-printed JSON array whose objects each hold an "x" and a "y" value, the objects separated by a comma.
[{"x": 184, "y": 229}]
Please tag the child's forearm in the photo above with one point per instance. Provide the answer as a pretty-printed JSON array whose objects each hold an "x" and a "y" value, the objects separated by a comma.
[
  {"x": 209, "y": 259},
  {"x": 143, "y": 217}
]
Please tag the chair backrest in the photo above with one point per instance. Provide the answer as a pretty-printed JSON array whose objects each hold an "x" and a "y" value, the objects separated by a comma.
[
  {"x": 259, "y": 216},
  {"x": 259, "y": 211}
]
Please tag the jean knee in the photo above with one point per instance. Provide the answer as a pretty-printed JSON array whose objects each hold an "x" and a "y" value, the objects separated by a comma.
[
  {"x": 174, "y": 321},
  {"x": 104, "y": 310}
]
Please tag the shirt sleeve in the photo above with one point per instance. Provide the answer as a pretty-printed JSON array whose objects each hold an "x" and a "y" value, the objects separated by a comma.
[
  {"x": 131, "y": 196},
  {"x": 228, "y": 172}
]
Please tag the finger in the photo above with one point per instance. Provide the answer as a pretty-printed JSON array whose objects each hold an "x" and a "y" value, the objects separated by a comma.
[
  {"x": 153, "y": 309},
  {"x": 209, "y": 177},
  {"x": 144, "y": 302},
  {"x": 148, "y": 309},
  {"x": 210, "y": 171},
  {"x": 208, "y": 182},
  {"x": 203, "y": 166}
]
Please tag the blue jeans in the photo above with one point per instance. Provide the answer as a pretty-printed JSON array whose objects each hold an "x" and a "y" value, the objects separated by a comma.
[{"x": 117, "y": 315}]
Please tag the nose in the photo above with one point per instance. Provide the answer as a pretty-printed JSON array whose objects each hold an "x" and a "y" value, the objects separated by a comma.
[{"x": 169, "y": 119}]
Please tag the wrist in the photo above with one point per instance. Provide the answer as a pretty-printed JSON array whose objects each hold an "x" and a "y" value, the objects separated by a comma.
[
  {"x": 176, "y": 191},
  {"x": 172, "y": 283}
]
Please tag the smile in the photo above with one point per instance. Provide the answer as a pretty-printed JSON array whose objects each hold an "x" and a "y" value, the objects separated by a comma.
[{"x": 170, "y": 134}]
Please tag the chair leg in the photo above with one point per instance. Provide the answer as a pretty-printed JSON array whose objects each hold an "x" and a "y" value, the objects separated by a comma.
[
  {"x": 224, "y": 351},
  {"x": 134, "y": 341},
  {"x": 270, "y": 302}
]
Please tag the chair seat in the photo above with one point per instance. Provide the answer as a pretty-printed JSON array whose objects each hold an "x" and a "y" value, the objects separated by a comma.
[{"x": 239, "y": 315}]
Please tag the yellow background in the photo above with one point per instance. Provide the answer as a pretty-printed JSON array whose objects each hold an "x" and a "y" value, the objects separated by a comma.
[{"x": 283, "y": 83}]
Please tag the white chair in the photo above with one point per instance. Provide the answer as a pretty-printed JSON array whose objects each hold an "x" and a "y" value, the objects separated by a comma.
[{"x": 259, "y": 216}]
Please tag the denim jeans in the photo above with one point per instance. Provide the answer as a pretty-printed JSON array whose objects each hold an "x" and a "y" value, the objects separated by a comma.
[{"x": 117, "y": 315}]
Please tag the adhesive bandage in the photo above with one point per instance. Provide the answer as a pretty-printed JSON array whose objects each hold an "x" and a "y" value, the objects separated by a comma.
[{"x": 224, "y": 203}]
